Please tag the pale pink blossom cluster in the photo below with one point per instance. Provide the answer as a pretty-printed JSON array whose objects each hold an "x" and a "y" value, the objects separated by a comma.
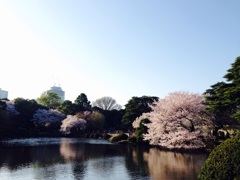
[
  {"x": 11, "y": 108},
  {"x": 177, "y": 122},
  {"x": 43, "y": 116},
  {"x": 84, "y": 115},
  {"x": 72, "y": 123}
]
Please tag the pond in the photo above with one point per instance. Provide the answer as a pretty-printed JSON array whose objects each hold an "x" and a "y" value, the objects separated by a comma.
[{"x": 90, "y": 159}]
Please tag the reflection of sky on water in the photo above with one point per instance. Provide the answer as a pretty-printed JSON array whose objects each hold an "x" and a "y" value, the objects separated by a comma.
[{"x": 50, "y": 141}]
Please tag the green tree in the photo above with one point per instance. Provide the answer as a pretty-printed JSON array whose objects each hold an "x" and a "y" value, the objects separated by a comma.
[
  {"x": 49, "y": 99},
  {"x": 7, "y": 122},
  {"x": 67, "y": 108},
  {"x": 26, "y": 108},
  {"x": 4, "y": 117},
  {"x": 142, "y": 129},
  {"x": 82, "y": 102},
  {"x": 95, "y": 120},
  {"x": 3, "y": 105},
  {"x": 113, "y": 117},
  {"x": 135, "y": 107},
  {"x": 223, "y": 98}
]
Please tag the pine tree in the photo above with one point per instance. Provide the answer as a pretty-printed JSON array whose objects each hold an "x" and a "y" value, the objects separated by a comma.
[{"x": 223, "y": 99}]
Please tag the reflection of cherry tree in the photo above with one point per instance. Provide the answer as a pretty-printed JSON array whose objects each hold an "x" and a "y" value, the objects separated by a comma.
[
  {"x": 178, "y": 121},
  {"x": 43, "y": 116},
  {"x": 173, "y": 165},
  {"x": 72, "y": 123},
  {"x": 71, "y": 151}
]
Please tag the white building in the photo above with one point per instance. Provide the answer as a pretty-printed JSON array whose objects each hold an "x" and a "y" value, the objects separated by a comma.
[
  {"x": 58, "y": 91},
  {"x": 3, "y": 94}
]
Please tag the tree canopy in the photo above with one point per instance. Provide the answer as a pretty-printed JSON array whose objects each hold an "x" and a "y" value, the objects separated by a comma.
[
  {"x": 26, "y": 107},
  {"x": 178, "y": 121},
  {"x": 68, "y": 108},
  {"x": 82, "y": 102},
  {"x": 49, "y": 99},
  {"x": 223, "y": 98},
  {"x": 135, "y": 107},
  {"x": 107, "y": 103}
]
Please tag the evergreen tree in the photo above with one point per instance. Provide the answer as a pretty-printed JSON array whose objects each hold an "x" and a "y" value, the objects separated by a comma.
[
  {"x": 223, "y": 99},
  {"x": 82, "y": 102},
  {"x": 135, "y": 107},
  {"x": 67, "y": 108}
]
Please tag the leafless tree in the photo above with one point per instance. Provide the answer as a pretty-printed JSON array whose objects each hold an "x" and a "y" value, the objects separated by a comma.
[{"x": 107, "y": 103}]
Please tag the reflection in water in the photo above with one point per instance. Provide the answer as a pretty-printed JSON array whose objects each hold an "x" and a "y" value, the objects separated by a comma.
[
  {"x": 70, "y": 152},
  {"x": 166, "y": 165},
  {"x": 69, "y": 158}
]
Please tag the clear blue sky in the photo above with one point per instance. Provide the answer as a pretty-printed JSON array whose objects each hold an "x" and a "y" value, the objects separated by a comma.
[{"x": 119, "y": 48}]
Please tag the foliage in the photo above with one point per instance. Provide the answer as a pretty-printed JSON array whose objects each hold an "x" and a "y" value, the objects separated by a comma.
[
  {"x": 223, "y": 99},
  {"x": 3, "y": 105},
  {"x": 49, "y": 99},
  {"x": 95, "y": 120},
  {"x": 42, "y": 117},
  {"x": 107, "y": 103},
  {"x": 82, "y": 102},
  {"x": 67, "y": 108},
  {"x": 141, "y": 130},
  {"x": 112, "y": 118},
  {"x": 135, "y": 107},
  {"x": 7, "y": 114},
  {"x": 119, "y": 137},
  {"x": 223, "y": 162},
  {"x": 105, "y": 136},
  {"x": 73, "y": 125},
  {"x": 178, "y": 121},
  {"x": 10, "y": 108},
  {"x": 26, "y": 107},
  {"x": 132, "y": 139}
]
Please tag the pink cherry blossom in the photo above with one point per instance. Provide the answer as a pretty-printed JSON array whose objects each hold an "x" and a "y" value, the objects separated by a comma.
[
  {"x": 72, "y": 123},
  {"x": 179, "y": 121}
]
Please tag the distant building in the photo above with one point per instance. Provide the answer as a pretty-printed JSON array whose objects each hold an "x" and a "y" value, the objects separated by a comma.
[
  {"x": 3, "y": 94},
  {"x": 58, "y": 90}
]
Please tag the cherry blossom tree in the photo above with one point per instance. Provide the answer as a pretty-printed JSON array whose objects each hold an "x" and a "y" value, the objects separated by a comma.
[
  {"x": 72, "y": 124},
  {"x": 43, "y": 117},
  {"x": 179, "y": 121}
]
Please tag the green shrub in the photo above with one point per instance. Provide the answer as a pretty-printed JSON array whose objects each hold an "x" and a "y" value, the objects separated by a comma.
[
  {"x": 132, "y": 139},
  {"x": 123, "y": 142},
  {"x": 97, "y": 135},
  {"x": 223, "y": 162},
  {"x": 119, "y": 137},
  {"x": 86, "y": 135},
  {"x": 106, "y": 136},
  {"x": 142, "y": 129},
  {"x": 91, "y": 135}
]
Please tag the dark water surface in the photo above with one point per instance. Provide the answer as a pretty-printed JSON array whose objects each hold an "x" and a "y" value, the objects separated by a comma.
[{"x": 89, "y": 159}]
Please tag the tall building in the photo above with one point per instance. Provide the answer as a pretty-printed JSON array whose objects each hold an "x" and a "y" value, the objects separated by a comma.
[
  {"x": 3, "y": 94},
  {"x": 58, "y": 90}
]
